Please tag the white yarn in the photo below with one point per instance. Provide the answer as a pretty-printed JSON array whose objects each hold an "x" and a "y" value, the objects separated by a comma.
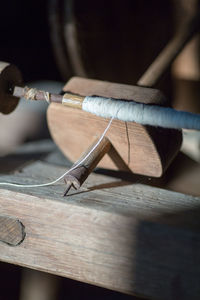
[
  {"x": 63, "y": 175},
  {"x": 130, "y": 111}
]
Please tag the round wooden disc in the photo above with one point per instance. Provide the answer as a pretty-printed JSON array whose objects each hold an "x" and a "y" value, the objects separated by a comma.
[{"x": 9, "y": 77}]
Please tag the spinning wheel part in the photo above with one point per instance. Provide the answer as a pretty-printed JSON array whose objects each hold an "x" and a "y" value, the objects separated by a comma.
[
  {"x": 146, "y": 150},
  {"x": 77, "y": 176},
  {"x": 9, "y": 77}
]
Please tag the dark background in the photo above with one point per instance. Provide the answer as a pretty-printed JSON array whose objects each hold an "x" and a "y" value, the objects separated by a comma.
[{"x": 25, "y": 39}]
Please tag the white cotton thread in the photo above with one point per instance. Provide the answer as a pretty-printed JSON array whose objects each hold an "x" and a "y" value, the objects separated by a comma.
[
  {"x": 63, "y": 175},
  {"x": 145, "y": 114}
]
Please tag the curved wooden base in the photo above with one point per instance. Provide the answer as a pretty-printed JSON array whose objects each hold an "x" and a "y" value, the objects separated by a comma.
[{"x": 146, "y": 150}]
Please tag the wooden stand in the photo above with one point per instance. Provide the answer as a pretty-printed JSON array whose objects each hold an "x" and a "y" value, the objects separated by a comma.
[
  {"x": 144, "y": 149},
  {"x": 131, "y": 238}
]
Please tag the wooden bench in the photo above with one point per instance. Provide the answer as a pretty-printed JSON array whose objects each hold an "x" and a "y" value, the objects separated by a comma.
[{"x": 122, "y": 235}]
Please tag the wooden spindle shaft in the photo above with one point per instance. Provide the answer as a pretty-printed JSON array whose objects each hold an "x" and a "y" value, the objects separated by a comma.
[
  {"x": 170, "y": 52},
  {"x": 67, "y": 99}
]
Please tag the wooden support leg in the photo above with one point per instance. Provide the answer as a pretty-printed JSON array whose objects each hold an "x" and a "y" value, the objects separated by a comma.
[
  {"x": 39, "y": 285},
  {"x": 76, "y": 177}
]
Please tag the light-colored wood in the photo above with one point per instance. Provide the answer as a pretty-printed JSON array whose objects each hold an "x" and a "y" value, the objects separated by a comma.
[
  {"x": 144, "y": 149},
  {"x": 127, "y": 237},
  {"x": 11, "y": 231},
  {"x": 92, "y": 87}
]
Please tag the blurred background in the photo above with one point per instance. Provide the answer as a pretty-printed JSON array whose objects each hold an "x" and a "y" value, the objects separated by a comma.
[{"x": 50, "y": 41}]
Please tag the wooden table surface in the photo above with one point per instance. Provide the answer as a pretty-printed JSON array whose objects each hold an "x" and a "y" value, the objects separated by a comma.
[{"x": 122, "y": 235}]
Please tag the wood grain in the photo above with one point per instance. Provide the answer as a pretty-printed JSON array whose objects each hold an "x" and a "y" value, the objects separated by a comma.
[
  {"x": 12, "y": 231},
  {"x": 123, "y": 236},
  {"x": 146, "y": 150},
  {"x": 92, "y": 87}
]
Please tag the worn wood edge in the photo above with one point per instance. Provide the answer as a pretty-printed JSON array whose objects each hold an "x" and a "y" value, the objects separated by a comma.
[
  {"x": 110, "y": 239},
  {"x": 12, "y": 257},
  {"x": 114, "y": 252},
  {"x": 103, "y": 186},
  {"x": 92, "y": 87}
]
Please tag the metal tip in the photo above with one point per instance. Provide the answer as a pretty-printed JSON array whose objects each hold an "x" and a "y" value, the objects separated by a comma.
[{"x": 69, "y": 184}]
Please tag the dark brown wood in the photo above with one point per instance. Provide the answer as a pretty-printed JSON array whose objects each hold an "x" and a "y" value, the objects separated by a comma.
[
  {"x": 76, "y": 177},
  {"x": 21, "y": 92},
  {"x": 9, "y": 77},
  {"x": 12, "y": 231}
]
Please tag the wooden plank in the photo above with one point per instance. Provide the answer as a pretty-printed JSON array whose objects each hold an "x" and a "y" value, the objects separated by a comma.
[
  {"x": 93, "y": 87},
  {"x": 11, "y": 231},
  {"x": 127, "y": 237}
]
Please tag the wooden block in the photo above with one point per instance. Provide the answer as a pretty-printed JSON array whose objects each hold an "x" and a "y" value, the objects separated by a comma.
[
  {"x": 92, "y": 87},
  {"x": 146, "y": 150},
  {"x": 126, "y": 237}
]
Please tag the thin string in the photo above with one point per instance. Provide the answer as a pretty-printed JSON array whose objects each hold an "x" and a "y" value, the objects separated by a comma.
[{"x": 63, "y": 175}]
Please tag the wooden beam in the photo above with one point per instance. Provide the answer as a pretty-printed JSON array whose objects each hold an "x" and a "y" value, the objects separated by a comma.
[{"x": 123, "y": 236}]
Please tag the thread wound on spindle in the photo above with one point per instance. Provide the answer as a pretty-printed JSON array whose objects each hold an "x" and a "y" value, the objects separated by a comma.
[{"x": 145, "y": 114}]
